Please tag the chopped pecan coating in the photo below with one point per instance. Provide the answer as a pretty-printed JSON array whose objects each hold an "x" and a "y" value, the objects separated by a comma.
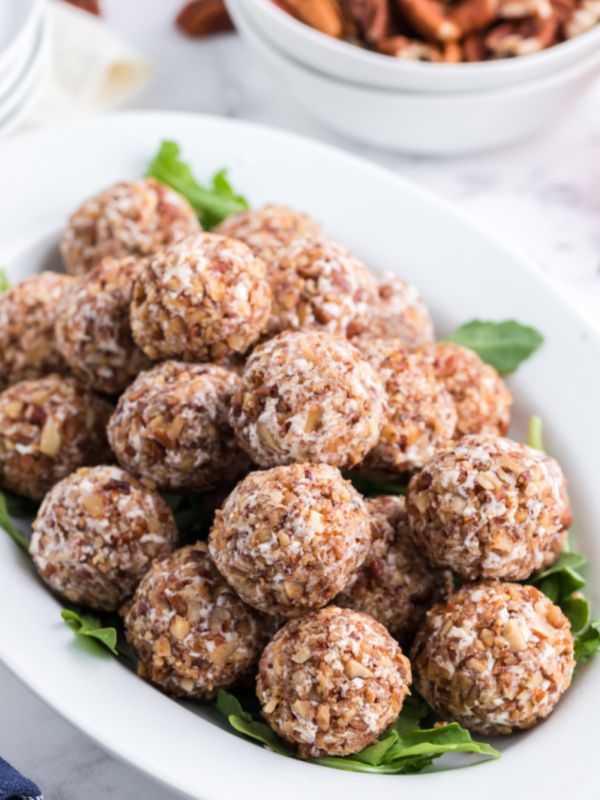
[
  {"x": 96, "y": 533},
  {"x": 331, "y": 681},
  {"x": 495, "y": 657},
  {"x": 288, "y": 539}
]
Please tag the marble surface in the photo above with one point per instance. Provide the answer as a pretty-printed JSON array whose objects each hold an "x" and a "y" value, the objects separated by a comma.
[{"x": 543, "y": 196}]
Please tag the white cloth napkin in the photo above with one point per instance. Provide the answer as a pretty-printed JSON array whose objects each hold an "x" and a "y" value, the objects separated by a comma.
[{"x": 92, "y": 70}]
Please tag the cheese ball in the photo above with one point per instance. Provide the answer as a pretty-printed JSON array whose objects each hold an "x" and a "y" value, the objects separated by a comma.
[
  {"x": 559, "y": 539},
  {"x": 27, "y": 315},
  {"x": 495, "y": 657},
  {"x": 170, "y": 427},
  {"x": 48, "y": 429},
  {"x": 203, "y": 299},
  {"x": 482, "y": 399},
  {"x": 319, "y": 285},
  {"x": 400, "y": 313},
  {"x": 92, "y": 328},
  {"x": 308, "y": 396},
  {"x": 135, "y": 218},
  {"x": 332, "y": 681},
  {"x": 421, "y": 415},
  {"x": 486, "y": 507},
  {"x": 394, "y": 584},
  {"x": 191, "y": 632},
  {"x": 268, "y": 229},
  {"x": 288, "y": 539},
  {"x": 96, "y": 533}
]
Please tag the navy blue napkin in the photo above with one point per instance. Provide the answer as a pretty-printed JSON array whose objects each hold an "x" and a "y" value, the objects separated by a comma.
[{"x": 13, "y": 786}]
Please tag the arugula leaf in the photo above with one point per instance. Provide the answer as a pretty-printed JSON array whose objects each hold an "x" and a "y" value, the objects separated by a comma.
[
  {"x": 7, "y": 524},
  {"x": 4, "y": 282},
  {"x": 89, "y": 625},
  {"x": 374, "y": 488},
  {"x": 561, "y": 579},
  {"x": 587, "y": 642},
  {"x": 536, "y": 429},
  {"x": 450, "y": 738},
  {"x": 504, "y": 345},
  {"x": 374, "y": 753},
  {"x": 230, "y": 706},
  {"x": 212, "y": 204},
  {"x": 260, "y": 732},
  {"x": 577, "y": 610}
]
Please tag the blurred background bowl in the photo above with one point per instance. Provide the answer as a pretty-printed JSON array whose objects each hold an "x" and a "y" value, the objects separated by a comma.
[
  {"x": 424, "y": 123},
  {"x": 354, "y": 64}
]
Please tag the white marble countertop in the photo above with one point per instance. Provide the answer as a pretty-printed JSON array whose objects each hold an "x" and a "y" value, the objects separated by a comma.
[{"x": 543, "y": 196}]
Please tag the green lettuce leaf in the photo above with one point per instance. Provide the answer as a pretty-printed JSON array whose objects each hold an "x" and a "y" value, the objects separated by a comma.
[
  {"x": 504, "y": 345},
  {"x": 212, "y": 204},
  {"x": 89, "y": 625}
]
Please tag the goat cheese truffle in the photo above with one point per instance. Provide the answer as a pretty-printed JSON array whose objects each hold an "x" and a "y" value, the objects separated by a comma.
[
  {"x": 332, "y": 681},
  {"x": 48, "y": 429},
  {"x": 482, "y": 399},
  {"x": 288, "y": 539},
  {"x": 319, "y": 285},
  {"x": 400, "y": 313},
  {"x": 189, "y": 629},
  {"x": 92, "y": 329},
  {"x": 96, "y": 533},
  {"x": 170, "y": 427},
  {"x": 203, "y": 299},
  {"x": 27, "y": 315},
  {"x": 134, "y": 218},
  {"x": 421, "y": 415},
  {"x": 558, "y": 540},
  {"x": 268, "y": 229},
  {"x": 308, "y": 396},
  {"x": 495, "y": 657},
  {"x": 394, "y": 584},
  {"x": 486, "y": 507}
]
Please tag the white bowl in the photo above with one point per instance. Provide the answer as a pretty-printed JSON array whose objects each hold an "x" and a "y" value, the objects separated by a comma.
[
  {"x": 463, "y": 273},
  {"x": 18, "y": 21},
  {"x": 428, "y": 124},
  {"x": 350, "y": 63}
]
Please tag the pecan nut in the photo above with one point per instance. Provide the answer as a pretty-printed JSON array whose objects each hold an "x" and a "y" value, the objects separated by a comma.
[{"x": 204, "y": 17}]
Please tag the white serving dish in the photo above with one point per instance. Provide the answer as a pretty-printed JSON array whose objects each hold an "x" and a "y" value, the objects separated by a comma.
[
  {"x": 18, "y": 21},
  {"x": 463, "y": 272},
  {"x": 426, "y": 123},
  {"x": 355, "y": 65}
]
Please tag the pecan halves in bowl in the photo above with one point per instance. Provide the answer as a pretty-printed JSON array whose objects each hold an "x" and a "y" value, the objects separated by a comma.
[
  {"x": 522, "y": 9},
  {"x": 522, "y": 38},
  {"x": 416, "y": 50},
  {"x": 323, "y": 15},
  {"x": 371, "y": 16},
  {"x": 472, "y": 16},
  {"x": 204, "y": 17},
  {"x": 429, "y": 18}
]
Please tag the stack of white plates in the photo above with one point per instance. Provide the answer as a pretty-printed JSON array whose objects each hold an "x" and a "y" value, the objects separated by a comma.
[{"x": 24, "y": 58}]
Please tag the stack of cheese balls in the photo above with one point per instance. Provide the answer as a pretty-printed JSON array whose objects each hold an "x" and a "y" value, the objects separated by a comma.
[{"x": 258, "y": 361}]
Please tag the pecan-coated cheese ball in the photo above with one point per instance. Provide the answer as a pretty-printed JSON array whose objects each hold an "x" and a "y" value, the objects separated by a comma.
[
  {"x": 558, "y": 540},
  {"x": 394, "y": 584},
  {"x": 134, "y": 218},
  {"x": 170, "y": 427},
  {"x": 400, "y": 313},
  {"x": 203, "y": 299},
  {"x": 288, "y": 539},
  {"x": 189, "y": 629},
  {"x": 96, "y": 533},
  {"x": 48, "y": 429},
  {"x": 27, "y": 315},
  {"x": 486, "y": 507},
  {"x": 308, "y": 396},
  {"x": 420, "y": 413},
  {"x": 92, "y": 327},
  {"x": 319, "y": 285},
  {"x": 494, "y": 657},
  {"x": 332, "y": 681},
  {"x": 266, "y": 230},
  {"x": 482, "y": 399}
]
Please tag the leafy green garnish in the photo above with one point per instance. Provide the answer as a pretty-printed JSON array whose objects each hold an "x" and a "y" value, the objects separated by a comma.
[
  {"x": 4, "y": 282},
  {"x": 90, "y": 626},
  {"x": 212, "y": 204},
  {"x": 7, "y": 524},
  {"x": 402, "y": 750},
  {"x": 504, "y": 345},
  {"x": 535, "y": 436},
  {"x": 587, "y": 641}
]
